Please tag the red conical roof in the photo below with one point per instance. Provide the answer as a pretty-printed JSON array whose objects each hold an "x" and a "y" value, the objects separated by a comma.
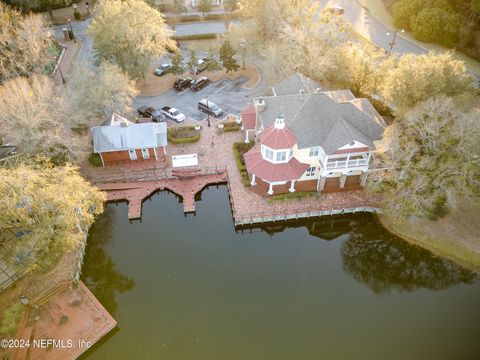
[{"x": 277, "y": 139}]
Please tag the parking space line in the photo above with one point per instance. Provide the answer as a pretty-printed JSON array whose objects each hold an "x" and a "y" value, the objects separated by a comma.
[
  {"x": 236, "y": 108},
  {"x": 223, "y": 87},
  {"x": 196, "y": 111},
  {"x": 205, "y": 88}
]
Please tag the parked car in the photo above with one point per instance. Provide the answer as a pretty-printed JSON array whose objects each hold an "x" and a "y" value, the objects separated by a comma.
[
  {"x": 150, "y": 112},
  {"x": 163, "y": 69},
  {"x": 201, "y": 66},
  {"x": 199, "y": 83},
  {"x": 182, "y": 83},
  {"x": 210, "y": 108},
  {"x": 173, "y": 114}
]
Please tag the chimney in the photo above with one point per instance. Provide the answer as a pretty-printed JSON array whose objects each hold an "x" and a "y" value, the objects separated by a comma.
[
  {"x": 124, "y": 123},
  {"x": 302, "y": 92},
  {"x": 259, "y": 104},
  {"x": 317, "y": 90},
  {"x": 280, "y": 122}
]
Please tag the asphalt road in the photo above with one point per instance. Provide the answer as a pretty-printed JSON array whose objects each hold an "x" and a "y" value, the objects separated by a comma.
[{"x": 197, "y": 28}]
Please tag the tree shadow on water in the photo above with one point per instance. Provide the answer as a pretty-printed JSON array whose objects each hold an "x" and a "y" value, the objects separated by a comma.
[
  {"x": 99, "y": 272},
  {"x": 384, "y": 262}
]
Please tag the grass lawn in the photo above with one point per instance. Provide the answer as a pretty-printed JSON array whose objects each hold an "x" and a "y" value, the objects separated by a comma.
[{"x": 455, "y": 236}]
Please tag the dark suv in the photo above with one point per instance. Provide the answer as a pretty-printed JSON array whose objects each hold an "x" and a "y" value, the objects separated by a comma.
[
  {"x": 182, "y": 83},
  {"x": 149, "y": 112},
  {"x": 199, "y": 83}
]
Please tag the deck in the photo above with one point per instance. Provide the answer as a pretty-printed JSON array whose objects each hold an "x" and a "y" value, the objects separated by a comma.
[
  {"x": 80, "y": 315},
  {"x": 185, "y": 185}
]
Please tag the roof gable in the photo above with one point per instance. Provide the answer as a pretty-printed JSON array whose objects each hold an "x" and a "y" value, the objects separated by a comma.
[
  {"x": 313, "y": 118},
  {"x": 295, "y": 84},
  {"x": 135, "y": 136}
]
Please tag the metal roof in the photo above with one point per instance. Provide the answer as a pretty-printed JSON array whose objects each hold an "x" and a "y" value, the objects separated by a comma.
[{"x": 134, "y": 136}]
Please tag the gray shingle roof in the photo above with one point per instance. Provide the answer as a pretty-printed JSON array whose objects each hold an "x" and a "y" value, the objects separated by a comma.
[
  {"x": 134, "y": 136},
  {"x": 318, "y": 120},
  {"x": 294, "y": 84}
]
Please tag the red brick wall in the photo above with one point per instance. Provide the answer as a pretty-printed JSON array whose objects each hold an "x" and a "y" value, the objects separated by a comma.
[{"x": 116, "y": 156}]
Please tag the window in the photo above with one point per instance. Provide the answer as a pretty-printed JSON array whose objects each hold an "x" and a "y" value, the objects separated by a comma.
[
  {"x": 281, "y": 156},
  {"x": 311, "y": 171},
  {"x": 268, "y": 154},
  {"x": 314, "y": 151}
]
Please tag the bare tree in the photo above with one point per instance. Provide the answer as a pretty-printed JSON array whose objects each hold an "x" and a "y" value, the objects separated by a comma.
[
  {"x": 37, "y": 118},
  {"x": 96, "y": 93},
  {"x": 432, "y": 156},
  {"x": 24, "y": 44}
]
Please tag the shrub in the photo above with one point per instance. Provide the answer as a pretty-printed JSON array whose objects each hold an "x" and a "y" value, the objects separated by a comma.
[
  {"x": 11, "y": 318},
  {"x": 294, "y": 195},
  {"x": 231, "y": 126},
  {"x": 95, "y": 160},
  {"x": 77, "y": 15},
  {"x": 183, "y": 135},
  {"x": 240, "y": 148},
  {"x": 196, "y": 37}
]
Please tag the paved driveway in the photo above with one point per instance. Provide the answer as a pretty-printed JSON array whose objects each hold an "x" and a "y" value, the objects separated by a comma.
[{"x": 228, "y": 94}]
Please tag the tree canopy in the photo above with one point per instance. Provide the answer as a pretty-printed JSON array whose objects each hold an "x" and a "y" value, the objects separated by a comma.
[
  {"x": 24, "y": 44},
  {"x": 227, "y": 57},
  {"x": 36, "y": 116},
  {"x": 432, "y": 156},
  {"x": 50, "y": 206},
  {"x": 415, "y": 78},
  {"x": 99, "y": 92},
  {"x": 129, "y": 33}
]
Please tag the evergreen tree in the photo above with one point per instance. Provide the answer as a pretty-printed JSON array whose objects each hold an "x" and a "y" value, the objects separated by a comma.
[
  {"x": 227, "y": 57},
  {"x": 177, "y": 64}
]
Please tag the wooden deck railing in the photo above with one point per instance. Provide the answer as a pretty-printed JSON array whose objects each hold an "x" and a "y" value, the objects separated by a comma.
[{"x": 302, "y": 212}]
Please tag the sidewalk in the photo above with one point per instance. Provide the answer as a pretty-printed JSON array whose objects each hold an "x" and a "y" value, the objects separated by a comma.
[{"x": 67, "y": 58}]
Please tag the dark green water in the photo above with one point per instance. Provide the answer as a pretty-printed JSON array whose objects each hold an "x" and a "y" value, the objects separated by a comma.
[{"x": 331, "y": 288}]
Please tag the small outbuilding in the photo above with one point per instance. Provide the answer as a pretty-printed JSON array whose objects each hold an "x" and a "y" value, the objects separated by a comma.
[{"x": 124, "y": 141}]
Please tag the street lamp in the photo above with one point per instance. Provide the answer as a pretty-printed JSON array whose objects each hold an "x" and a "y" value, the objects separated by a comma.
[
  {"x": 71, "y": 29},
  {"x": 243, "y": 46},
  {"x": 208, "y": 112},
  {"x": 392, "y": 44}
]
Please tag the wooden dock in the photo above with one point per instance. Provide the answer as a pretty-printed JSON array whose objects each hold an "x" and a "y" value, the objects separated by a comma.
[{"x": 186, "y": 187}]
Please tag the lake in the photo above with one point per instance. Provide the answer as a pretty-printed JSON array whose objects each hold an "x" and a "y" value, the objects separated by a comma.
[{"x": 326, "y": 288}]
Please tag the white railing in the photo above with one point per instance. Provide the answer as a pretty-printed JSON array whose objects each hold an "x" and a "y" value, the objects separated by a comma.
[{"x": 340, "y": 164}]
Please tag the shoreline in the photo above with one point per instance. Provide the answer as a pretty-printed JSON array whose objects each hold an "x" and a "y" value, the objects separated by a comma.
[{"x": 446, "y": 248}]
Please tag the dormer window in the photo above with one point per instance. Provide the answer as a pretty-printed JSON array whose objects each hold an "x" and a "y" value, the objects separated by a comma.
[
  {"x": 279, "y": 122},
  {"x": 314, "y": 151}
]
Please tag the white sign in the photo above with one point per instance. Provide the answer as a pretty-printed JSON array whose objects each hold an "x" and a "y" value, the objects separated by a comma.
[{"x": 184, "y": 160}]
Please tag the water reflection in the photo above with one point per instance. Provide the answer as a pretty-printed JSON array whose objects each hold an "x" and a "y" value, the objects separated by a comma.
[
  {"x": 376, "y": 258},
  {"x": 99, "y": 273},
  {"x": 384, "y": 262}
]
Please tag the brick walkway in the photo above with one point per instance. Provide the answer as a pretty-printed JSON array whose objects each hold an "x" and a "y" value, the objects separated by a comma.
[
  {"x": 215, "y": 149},
  {"x": 69, "y": 55}
]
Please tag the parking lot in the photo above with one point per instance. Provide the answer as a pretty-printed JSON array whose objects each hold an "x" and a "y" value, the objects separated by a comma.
[{"x": 227, "y": 94}]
